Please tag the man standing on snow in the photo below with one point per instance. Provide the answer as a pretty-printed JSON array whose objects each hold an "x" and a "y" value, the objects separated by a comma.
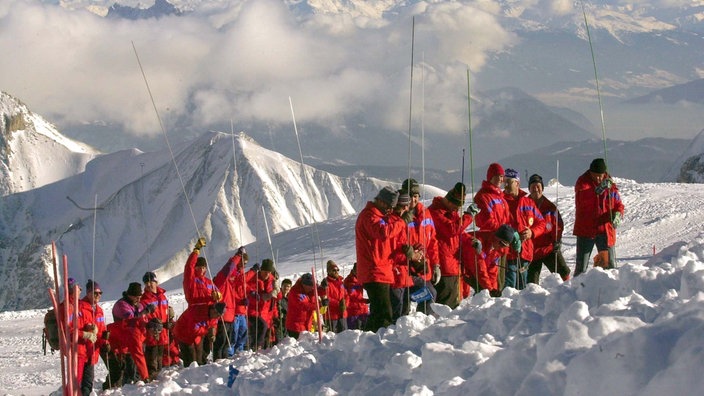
[
  {"x": 529, "y": 224},
  {"x": 546, "y": 249},
  {"x": 375, "y": 227},
  {"x": 494, "y": 210},
  {"x": 598, "y": 212},
  {"x": 449, "y": 225},
  {"x": 422, "y": 235}
]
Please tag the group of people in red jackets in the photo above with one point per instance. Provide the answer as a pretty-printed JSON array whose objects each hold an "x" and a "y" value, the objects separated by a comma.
[
  {"x": 406, "y": 254},
  {"x": 409, "y": 253}
]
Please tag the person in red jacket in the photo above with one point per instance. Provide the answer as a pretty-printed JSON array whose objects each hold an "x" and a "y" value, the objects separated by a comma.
[
  {"x": 197, "y": 287},
  {"x": 481, "y": 270},
  {"x": 528, "y": 222},
  {"x": 262, "y": 292},
  {"x": 301, "y": 306},
  {"x": 230, "y": 282},
  {"x": 598, "y": 212},
  {"x": 336, "y": 294},
  {"x": 375, "y": 227},
  {"x": 156, "y": 342},
  {"x": 546, "y": 249},
  {"x": 172, "y": 353},
  {"x": 195, "y": 328},
  {"x": 402, "y": 254},
  {"x": 130, "y": 315},
  {"x": 357, "y": 309},
  {"x": 92, "y": 321},
  {"x": 422, "y": 236},
  {"x": 494, "y": 211},
  {"x": 449, "y": 225}
]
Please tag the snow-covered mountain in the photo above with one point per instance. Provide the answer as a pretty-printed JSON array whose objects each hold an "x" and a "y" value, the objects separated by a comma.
[
  {"x": 130, "y": 212},
  {"x": 32, "y": 152}
]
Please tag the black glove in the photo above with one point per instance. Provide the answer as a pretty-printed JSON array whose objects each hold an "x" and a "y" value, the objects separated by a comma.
[
  {"x": 324, "y": 283},
  {"x": 407, "y": 217},
  {"x": 155, "y": 325},
  {"x": 418, "y": 266},
  {"x": 199, "y": 243},
  {"x": 149, "y": 308},
  {"x": 255, "y": 295},
  {"x": 408, "y": 251},
  {"x": 168, "y": 325},
  {"x": 255, "y": 267},
  {"x": 495, "y": 293},
  {"x": 106, "y": 335},
  {"x": 244, "y": 302},
  {"x": 324, "y": 302},
  {"x": 241, "y": 250}
]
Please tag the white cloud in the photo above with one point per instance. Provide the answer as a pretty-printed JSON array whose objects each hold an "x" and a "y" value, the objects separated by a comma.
[{"x": 243, "y": 61}]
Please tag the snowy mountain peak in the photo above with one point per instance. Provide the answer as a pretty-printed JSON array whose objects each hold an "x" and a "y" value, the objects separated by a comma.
[
  {"x": 143, "y": 211},
  {"x": 32, "y": 152}
]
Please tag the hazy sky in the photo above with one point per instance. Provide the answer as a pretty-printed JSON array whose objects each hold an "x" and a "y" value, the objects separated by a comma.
[{"x": 242, "y": 61}]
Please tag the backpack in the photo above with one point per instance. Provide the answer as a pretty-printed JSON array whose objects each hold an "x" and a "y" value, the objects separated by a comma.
[{"x": 51, "y": 332}]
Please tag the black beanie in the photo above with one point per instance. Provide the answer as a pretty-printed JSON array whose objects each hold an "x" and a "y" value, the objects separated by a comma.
[
  {"x": 267, "y": 265},
  {"x": 505, "y": 233},
  {"x": 598, "y": 166},
  {"x": 410, "y": 186},
  {"x": 535, "y": 178},
  {"x": 456, "y": 195},
  {"x": 134, "y": 289}
]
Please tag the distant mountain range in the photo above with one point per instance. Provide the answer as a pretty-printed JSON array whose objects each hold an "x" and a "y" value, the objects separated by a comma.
[{"x": 639, "y": 50}]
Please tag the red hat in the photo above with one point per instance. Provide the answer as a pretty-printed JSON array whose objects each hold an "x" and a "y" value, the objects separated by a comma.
[{"x": 494, "y": 170}]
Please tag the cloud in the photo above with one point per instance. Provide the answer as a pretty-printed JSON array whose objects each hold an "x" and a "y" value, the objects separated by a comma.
[{"x": 244, "y": 61}]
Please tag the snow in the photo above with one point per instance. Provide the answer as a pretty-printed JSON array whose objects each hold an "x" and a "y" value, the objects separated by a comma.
[{"x": 635, "y": 330}]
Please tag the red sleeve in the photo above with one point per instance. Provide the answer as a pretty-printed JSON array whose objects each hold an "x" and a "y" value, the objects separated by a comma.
[{"x": 189, "y": 274}]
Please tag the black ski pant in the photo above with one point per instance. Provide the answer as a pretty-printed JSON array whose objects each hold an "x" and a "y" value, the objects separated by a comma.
[
  {"x": 222, "y": 340},
  {"x": 448, "y": 291},
  {"x": 555, "y": 262},
  {"x": 379, "y": 295},
  {"x": 154, "y": 355}
]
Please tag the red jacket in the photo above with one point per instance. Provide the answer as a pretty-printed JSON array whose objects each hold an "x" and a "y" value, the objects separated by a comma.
[
  {"x": 373, "y": 235},
  {"x": 475, "y": 266},
  {"x": 335, "y": 292},
  {"x": 357, "y": 306},
  {"x": 260, "y": 301},
  {"x": 494, "y": 208},
  {"x": 161, "y": 303},
  {"x": 94, "y": 316},
  {"x": 399, "y": 261},
  {"x": 448, "y": 225},
  {"x": 198, "y": 289},
  {"x": 230, "y": 281},
  {"x": 543, "y": 245},
  {"x": 193, "y": 324},
  {"x": 422, "y": 233},
  {"x": 524, "y": 215},
  {"x": 593, "y": 212},
  {"x": 129, "y": 327},
  {"x": 301, "y": 306}
]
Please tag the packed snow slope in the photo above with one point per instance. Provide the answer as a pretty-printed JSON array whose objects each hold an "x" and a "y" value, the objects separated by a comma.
[{"x": 635, "y": 330}]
